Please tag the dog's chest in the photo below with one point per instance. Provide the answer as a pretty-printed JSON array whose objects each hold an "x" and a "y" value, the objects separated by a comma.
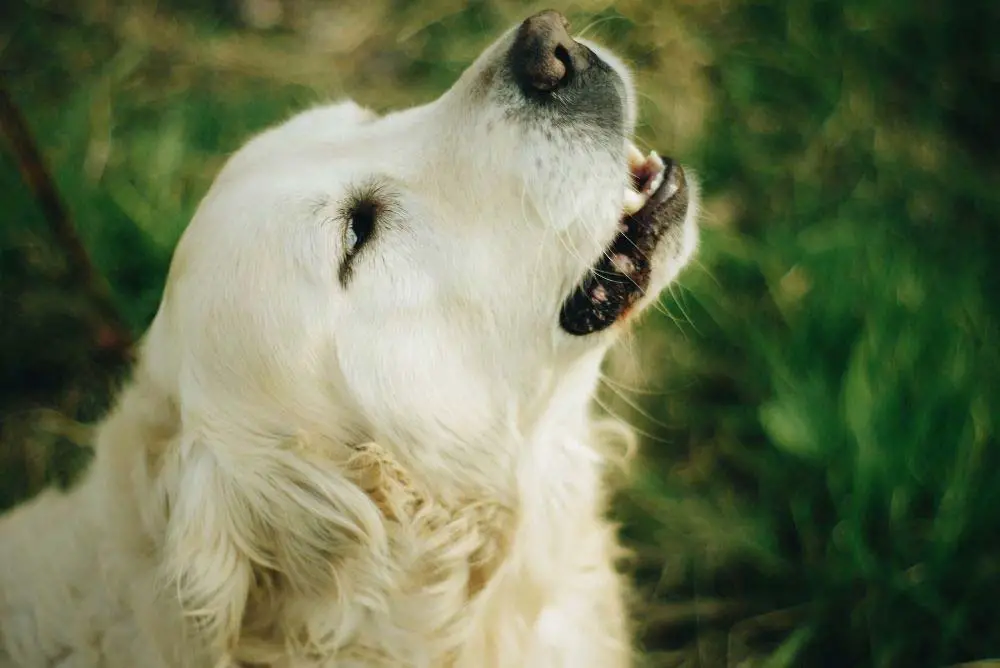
[
  {"x": 473, "y": 584},
  {"x": 487, "y": 586}
]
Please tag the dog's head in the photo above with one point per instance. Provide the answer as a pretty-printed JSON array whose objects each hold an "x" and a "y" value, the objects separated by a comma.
[
  {"x": 435, "y": 272},
  {"x": 436, "y": 280}
]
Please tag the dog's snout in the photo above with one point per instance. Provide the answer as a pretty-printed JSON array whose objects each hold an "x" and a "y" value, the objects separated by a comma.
[{"x": 543, "y": 55}]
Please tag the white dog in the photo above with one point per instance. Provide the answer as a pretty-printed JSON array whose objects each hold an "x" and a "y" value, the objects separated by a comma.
[{"x": 359, "y": 432}]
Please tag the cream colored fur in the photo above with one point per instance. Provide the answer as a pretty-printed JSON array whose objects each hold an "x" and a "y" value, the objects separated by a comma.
[{"x": 399, "y": 471}]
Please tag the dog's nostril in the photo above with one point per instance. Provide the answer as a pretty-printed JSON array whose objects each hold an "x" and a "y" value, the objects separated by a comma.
[
  {"x": 562, "y": 55},
  {"x": 543, "y": 55}
]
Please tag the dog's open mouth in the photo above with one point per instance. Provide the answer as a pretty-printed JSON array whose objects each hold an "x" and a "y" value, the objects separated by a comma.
[{"x": 656, "y": 202}]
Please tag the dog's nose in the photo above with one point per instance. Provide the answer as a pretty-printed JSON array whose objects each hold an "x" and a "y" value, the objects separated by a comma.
[{"x": 543, "y": 55}]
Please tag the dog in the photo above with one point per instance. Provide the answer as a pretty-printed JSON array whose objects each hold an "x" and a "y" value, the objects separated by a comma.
[{"x": 359, "y": 430}]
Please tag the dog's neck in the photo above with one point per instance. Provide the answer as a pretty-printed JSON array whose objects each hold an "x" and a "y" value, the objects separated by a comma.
[
  {"x": 534, "y": 440},
  {"x": 549, "y": 488}
]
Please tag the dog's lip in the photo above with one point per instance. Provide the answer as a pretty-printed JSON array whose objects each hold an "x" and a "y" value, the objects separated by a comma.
[
  {"x": 619, "y": 279},
  {"x": 644, "y": 228}
]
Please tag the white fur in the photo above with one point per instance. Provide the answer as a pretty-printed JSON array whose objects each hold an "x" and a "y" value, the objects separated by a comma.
[{"x": 401, "y": 471}]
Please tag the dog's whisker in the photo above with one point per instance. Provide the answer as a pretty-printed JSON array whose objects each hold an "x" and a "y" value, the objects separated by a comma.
[
  {"x": 634, "y": 405},
  {"x": 596, "y": 22},
  {"x": 633, "y": 389},
  {"x": 613, "y": 278},
  {"x": 536, "y": 275},
  {"x": 678, "y": 298},
  {"x": 610, "y": 412}
]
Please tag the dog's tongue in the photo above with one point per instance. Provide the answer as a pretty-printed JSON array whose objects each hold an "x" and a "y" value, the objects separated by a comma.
[{"x": 621, "y": 277}]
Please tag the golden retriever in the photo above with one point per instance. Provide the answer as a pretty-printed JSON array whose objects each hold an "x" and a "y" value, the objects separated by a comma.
[{"x": 359, "y": 432}]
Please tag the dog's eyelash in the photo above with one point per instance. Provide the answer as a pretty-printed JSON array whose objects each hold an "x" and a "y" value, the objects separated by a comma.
[
  {"x": 361, "y": 216},
  {"x": 360, "y": 225}
]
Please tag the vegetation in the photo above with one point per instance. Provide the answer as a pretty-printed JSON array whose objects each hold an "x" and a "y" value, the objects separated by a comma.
[{"x": 820, "y": 482}]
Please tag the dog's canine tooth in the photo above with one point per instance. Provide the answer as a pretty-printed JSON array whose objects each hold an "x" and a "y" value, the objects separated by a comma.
[
  {"x": 635, "y": 157},
  {"x": 655, "y": 161},
  {"x": 633, "y": 201}
]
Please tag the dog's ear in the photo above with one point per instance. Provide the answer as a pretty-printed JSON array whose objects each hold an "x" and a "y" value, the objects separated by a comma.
[{"x": 247, "y": 512}]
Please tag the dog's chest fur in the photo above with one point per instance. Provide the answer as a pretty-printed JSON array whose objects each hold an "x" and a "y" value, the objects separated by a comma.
[{"x": 462, "y": 584}]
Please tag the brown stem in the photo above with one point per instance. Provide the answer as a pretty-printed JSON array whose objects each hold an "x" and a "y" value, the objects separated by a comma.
[{"x": 113, "y": 337}]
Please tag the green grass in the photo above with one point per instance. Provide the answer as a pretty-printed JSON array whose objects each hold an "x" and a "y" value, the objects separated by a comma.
[{"x": 820, "y": 484}]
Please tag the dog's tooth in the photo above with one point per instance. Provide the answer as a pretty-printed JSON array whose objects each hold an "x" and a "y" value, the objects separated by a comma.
[
  {"x": 654, "y": 162},
  {"x": 654, "y": 183},
  {"x": 633, "y": 201},
  {"x": 635, "y": 157}
]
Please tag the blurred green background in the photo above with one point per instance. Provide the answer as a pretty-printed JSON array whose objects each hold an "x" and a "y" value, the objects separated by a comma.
[{"x": 819, "y": 396}]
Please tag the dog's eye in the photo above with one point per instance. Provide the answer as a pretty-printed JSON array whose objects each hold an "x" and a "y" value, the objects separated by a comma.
[{"x": 360, "y": 223}]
